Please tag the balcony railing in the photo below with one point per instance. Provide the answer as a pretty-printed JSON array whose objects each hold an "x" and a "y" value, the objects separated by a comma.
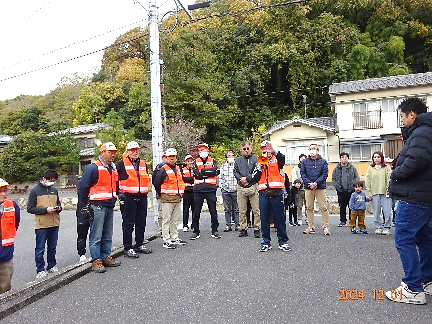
[{"x": 367, "y": 120}]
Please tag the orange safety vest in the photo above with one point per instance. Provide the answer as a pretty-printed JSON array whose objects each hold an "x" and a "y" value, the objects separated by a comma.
[
  {"x": 133, "y": 184},
  {"x": 174, "y": 184},
  {"x": 187, "y": 173},
  {"x": 200, "y": 165},
  {"x": 8, "y": 224},
  {"x": 271, "y": 176},
  {"x": 106, "y": 187}
]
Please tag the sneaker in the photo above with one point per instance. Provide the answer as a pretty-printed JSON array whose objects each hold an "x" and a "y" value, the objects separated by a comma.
[
  {"x": 83, "y": 258},
  {"x": 143, "y": 249},
  {"x": 296, "y": 224},
  {"x": 53, "y": 270},
  {"x": 257, "y": 234},
  {"x": 185, "y": 228},
  {"x": 237, "y": 228},
  {"x": 309, "y": 230},
  {"x": 428, "y": 288},
  {"x": 378, "y": 231},
  {"x": 342, "y": 224},
  {"x": 216, "y": 235},
  {"x": 41, "y": 274},
  {"x": 326, "y": 231},
  {"x": 111, "y": 262},
  {"x": 300, "y": 223},
  {"x": 97, "y": 266},
  {"x": 169, "y": 245},
  {"x": 145, "y": 241},
  {"x": 228, "y": 229},
  {"x": 385, "y": 231},
  {"x": 290, "y": 224},
  {"x": 285, "y": 247},
  {"x": 354, "y": 231},
  {"x": 403, "y": 294},
  {"x": 265, "y": 248},
  {"x": 362, "y": 231},
  {"x": 194, "y": 236},
  {"x": 178, "y": 242},
  {"x": 243, "y": 233},
  {"x": 130, "y": 253}
]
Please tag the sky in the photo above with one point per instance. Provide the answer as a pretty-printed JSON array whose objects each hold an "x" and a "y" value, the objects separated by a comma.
[{"x": 38, "y": 33}]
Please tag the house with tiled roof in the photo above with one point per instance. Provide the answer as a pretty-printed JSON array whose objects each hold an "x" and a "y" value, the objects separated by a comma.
[
  {"x": 292, "y": 137},
  {"x": 367, "y": 116}
]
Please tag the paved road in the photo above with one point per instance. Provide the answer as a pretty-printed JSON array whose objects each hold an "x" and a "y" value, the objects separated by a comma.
[{"x": 228, "y": 280}]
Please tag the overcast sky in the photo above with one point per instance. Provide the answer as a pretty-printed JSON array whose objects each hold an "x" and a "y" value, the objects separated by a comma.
[{"x": 33, "y": 33}]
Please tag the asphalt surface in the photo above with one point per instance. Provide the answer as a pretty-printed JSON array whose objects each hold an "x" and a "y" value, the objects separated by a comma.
[{"x": 228, "y": 280}]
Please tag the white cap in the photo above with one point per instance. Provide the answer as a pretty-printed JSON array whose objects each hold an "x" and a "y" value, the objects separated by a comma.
[
  {"x": 264, "y": 143},
  {"x": 171, "y": 152},
  {"x": 188, "y": 157},
  {"x": 3, "y": 183},
  {"x": 203, "y": 145},
  {"x": 109, "y": 146},
  {"x": 132, "y": 145}
]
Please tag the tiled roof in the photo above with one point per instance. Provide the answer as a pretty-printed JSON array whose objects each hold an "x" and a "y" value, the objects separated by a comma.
[
  {"x": 87, "y": 152},
  {"x": 82, "y": 129},
  {"x": 325, "y": 123},
  {"x": 382, "y": 83}
]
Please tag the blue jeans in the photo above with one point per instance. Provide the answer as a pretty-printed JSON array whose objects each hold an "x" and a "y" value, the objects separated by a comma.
[
  {"x": 49, "y": 236},
  {"x": 272, "y": 207},
  {"x": 230, "y": 207},
  {"x": 413, "y": 240},
  {"x": 385, "y": 203},
  {"x": 101, "y": 232}
]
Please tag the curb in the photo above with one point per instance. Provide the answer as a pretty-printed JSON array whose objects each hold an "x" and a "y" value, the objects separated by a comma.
[{"x": 13, "y": 301}]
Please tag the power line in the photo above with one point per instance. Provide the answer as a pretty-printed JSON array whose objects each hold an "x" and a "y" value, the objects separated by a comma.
[
  {"x": 70, "y": 45},
  {"x": 34, "y": 13}
]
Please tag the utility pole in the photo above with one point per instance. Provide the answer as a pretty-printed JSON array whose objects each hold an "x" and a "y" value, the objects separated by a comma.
[
  {"x": 304, "y": 101},
  {"x": 155, "y": 62}
]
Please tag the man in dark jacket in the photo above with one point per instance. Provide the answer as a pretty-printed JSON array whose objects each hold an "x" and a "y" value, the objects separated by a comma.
[
  {"x": 314, "y": 172},
  {"x": 411, "y": 184},
  {"x": 247, "y": 189},
  {"x": 343, "y": 177}
]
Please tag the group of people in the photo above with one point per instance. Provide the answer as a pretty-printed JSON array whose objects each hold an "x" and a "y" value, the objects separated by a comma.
[{"x": 255, "y": 180}]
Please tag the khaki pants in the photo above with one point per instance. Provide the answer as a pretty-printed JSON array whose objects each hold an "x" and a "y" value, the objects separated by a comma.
[
  {"x": 320, "y": 195},
  {"x": 170, "y": 218},
  {"x": 300, "y": 201},
  {"x": 360, "y": 215},
  {"x": 6, "y": 272},
  {"x": 242, "y": 206}
]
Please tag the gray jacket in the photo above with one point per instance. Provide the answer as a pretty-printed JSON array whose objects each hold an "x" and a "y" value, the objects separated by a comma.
[
  {"x": 352, "y": 176},
  {"x": 243, "y": 167}
]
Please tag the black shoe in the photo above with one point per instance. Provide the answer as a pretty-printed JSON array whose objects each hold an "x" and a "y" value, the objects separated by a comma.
[
  {"x": 130, "y": 253},
  {"x": 228, "y": 228},
  {"x": 243, "y": 233},
  {"x": 216, "y": 235},
  {"x": 194, "y": 236},
  {"x": 257, "y": 234},
  {"x": 143, "y": 249},
  {"x": 342, "y": 224}
]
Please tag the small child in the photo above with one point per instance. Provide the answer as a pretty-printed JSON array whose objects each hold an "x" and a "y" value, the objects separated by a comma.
[
  {"x": 294, "y": 192},
  {"x": 357, "y": 205}
]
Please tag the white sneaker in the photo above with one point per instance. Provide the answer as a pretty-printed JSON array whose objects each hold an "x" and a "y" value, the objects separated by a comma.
[
  {"x": 378, "y": 231},
  {"x": 41, "y": 274},
  {"x": 300, "y": 222},
  {"x": 385, "y": 231},
  {"x": 185, "y": 229},
  {"x": 428, "y": 288},
  {"x": 82, "y": 259},
  {"x": 327, "y": 231},
  {"x": 53, "y": 270},
  {"x": 403, "y": 295}
]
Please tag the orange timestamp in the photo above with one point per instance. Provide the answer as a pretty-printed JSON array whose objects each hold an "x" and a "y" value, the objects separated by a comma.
[{"x": 359, "y": 294}]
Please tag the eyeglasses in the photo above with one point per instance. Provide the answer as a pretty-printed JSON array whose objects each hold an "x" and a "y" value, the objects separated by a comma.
[
  {"x": 264, "y": 152},
  {"x": 246, "y": 148}
]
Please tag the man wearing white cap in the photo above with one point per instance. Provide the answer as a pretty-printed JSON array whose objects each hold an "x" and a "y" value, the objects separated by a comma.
[
  {"x": 134, "y": 184},
  {"x": 188, "y": 196},
  {"x": 99, "y": 185},
  {"x": 205, "y": 186},
  {"x": 9, "y": 218}
]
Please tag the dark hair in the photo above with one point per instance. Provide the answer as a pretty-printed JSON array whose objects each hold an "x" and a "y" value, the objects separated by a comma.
[
  {"x": 229, "y": 151},
  {"x": 358, "y": 184},
  {"x": 382, "y": 158},
  {"x": 302, "y": 155},
  {"x": 344, "y": 153},
  {"x": 50, "y": 174},
  {"x": 413, "y": 104},
  {"x": 297, "y": 181}
]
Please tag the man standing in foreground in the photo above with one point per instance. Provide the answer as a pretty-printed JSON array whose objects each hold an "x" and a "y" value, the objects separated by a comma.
[
  {"x": 9, "y": 220},
  {"x": 133, "y": 187},
  {"x": 411, "y": 184},
  {"x": 99, "y": 184}
]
